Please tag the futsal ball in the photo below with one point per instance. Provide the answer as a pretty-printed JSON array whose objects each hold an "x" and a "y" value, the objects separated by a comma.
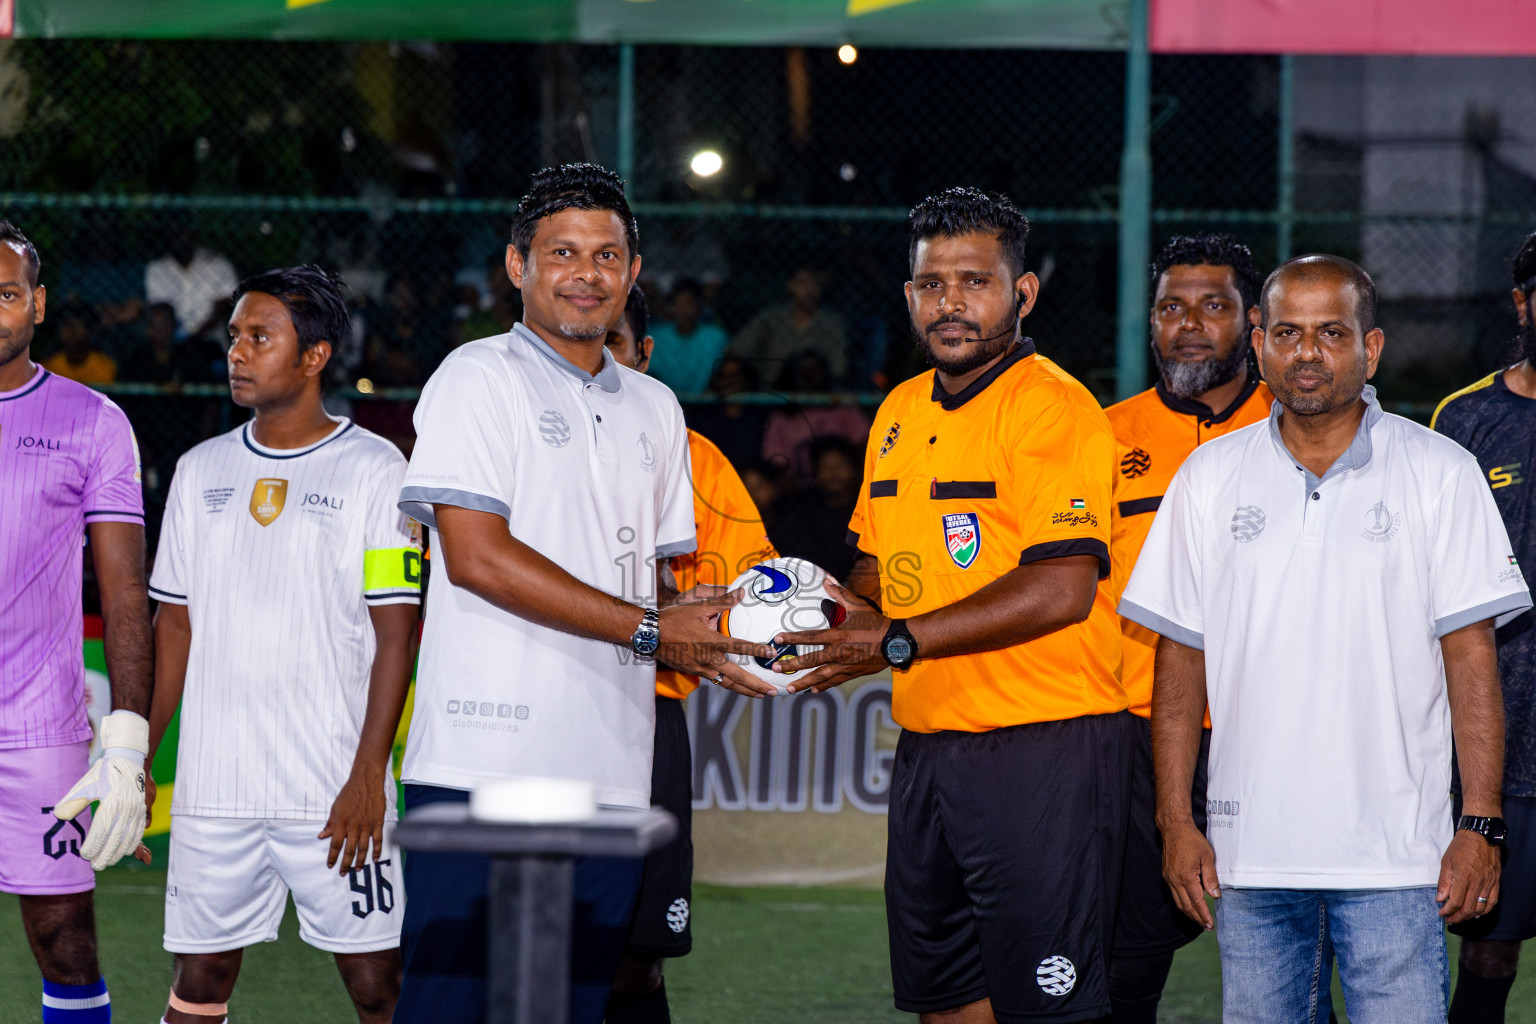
[{"x": 781, "y": 595}]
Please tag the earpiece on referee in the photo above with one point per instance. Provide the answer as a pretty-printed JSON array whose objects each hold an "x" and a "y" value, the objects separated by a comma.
[{"x": 1017, "y": 309}]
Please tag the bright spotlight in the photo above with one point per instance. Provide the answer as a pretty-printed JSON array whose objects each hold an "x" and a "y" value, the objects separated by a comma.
[
  {"x": 706, "y": 162},
  {"x": 847, "y": 53}
]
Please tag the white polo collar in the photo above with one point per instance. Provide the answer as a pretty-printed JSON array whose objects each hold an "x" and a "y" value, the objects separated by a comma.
[
  {"x": 607, "y": 376},
  {"x": 1356, "y": 456}
]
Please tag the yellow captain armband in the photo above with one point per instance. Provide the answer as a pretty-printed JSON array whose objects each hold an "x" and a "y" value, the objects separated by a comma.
[{"x": 391, "y": 571}]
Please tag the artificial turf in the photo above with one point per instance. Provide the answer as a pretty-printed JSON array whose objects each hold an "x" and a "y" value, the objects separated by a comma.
[{"x": 760, "y": 955}]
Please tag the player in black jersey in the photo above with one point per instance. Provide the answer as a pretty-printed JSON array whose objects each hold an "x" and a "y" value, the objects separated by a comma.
[{"x": 1495, "y": 419}]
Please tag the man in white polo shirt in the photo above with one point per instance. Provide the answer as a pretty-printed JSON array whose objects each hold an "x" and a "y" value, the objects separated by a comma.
[
  {"x": 554, "y": 482},
  {"x": 1329, "y": 581}
]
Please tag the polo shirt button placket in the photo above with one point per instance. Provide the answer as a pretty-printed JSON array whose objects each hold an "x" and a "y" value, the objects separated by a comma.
[
  {"x": 602, "y": 449},
  {"x": 1312, "y": 518}
]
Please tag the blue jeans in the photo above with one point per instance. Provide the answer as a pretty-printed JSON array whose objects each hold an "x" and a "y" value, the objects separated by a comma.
[{"x": 1278, "y": 945}]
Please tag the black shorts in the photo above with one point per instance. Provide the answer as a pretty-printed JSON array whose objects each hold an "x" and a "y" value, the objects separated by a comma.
[
  {"x": 663, "y": 914},
  {"x": 1148, "y": 922},
  {"x": 1003, "y": 866},
  {"x": 1513, "y": 919}
]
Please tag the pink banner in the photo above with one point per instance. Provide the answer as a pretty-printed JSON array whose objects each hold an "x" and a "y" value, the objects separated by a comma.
[{"x": 1469, "y": 27}]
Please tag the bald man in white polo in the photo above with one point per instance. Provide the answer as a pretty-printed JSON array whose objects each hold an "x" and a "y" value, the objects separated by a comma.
[{"x": 1329, "y": 580}]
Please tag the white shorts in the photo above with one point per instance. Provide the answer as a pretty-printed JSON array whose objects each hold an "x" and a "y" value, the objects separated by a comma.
[{"x": 228, "y": 882}]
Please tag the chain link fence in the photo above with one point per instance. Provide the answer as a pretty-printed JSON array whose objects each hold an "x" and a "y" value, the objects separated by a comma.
[{"x": 153, "y": 174}]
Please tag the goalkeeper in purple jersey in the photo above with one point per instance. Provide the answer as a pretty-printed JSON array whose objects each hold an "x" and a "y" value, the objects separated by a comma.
[{"x": 68, "y": 470}]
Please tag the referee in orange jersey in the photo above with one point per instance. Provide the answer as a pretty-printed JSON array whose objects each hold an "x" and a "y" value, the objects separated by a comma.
[
  {"x": 1205, "y": 303},
  {"x": 983, "y": 539},
  {"x": 730, "y": 540}
]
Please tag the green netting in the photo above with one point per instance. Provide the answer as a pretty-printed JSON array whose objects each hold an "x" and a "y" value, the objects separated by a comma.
[{"x": 399, "y": 164}]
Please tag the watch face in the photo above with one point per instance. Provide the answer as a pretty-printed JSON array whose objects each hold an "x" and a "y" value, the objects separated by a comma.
[
  {"x": 898, "y": 649},
  {"x": 1496, "y": 830},
  {"x": 646, "y": 641}
]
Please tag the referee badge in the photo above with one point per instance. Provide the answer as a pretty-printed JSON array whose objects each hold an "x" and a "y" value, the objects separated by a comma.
[
  {"x": 890, "y": 439},
  {"x": 962, "y": 537}
]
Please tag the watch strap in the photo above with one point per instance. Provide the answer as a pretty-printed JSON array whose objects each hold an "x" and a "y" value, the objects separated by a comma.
[{"x": 1492, "y": 829}]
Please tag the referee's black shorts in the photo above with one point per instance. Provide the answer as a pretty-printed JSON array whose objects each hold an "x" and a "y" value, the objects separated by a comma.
[
  {"x": 1148, "y": 922},
  {"x": 662, "y": 926},
  {"x": 1003, "y": 866}
]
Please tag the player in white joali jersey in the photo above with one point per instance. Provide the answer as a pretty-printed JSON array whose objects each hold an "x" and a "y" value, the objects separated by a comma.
[{"x": 289, "y": 586}]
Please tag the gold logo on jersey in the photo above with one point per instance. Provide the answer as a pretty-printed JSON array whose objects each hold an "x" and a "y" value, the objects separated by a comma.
[
  {"x": 267, "y": 499},
  {"x": 1503, "y": 476}
]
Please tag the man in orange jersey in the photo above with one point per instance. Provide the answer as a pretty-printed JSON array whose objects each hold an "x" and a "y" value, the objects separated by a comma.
[
  {"x": 989, "y": 481},
  {"x": 1205, "y": 302},
  {"x": 730, "y": 540}
]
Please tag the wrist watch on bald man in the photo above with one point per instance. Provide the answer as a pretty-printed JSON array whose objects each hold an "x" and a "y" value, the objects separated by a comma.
[{"x": 1491, "y": 829}]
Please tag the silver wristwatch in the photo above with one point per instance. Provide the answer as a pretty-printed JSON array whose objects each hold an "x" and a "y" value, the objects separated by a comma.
[{"x": 647, "y": 635}]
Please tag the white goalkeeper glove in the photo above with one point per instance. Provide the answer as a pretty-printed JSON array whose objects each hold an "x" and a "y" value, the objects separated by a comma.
[{"x": 117, "y": 781}]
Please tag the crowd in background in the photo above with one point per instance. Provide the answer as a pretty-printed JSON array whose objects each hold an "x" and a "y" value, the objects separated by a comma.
[
  {"x": 111, "y": 322},
  {"x": 165, "y": 324}
]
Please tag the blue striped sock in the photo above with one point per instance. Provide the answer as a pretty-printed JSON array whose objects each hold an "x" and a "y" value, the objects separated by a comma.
[{"x": 77, "y": 1004}]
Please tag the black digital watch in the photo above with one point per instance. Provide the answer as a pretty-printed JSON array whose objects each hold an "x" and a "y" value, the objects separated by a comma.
[{"x": 899, "y": 647}]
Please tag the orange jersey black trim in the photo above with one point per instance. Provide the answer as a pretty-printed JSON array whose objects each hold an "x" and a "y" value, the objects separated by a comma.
[
  {"x": 730, "y": 538},
  {"x": 961, "y": 489},
  {"x": 1154, "y": 433}
]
